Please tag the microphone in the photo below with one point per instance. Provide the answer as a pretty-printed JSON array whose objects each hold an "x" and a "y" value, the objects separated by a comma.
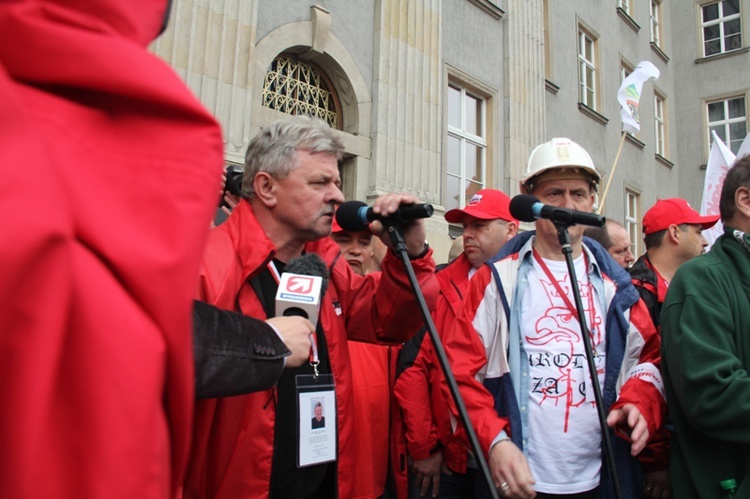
[
  {"x": 301, "y": 287},
  {"x": 528, "y": 208},
  {"x": 354, "y": 216}
]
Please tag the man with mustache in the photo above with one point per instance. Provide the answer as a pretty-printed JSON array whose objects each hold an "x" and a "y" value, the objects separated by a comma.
[
  {"x": 517, "y": 351},
  {"x": 252, "y": 445}
]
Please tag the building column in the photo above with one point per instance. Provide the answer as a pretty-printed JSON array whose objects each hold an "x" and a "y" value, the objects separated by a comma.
[
  {"x": 525, "y": 91},
  {"x": 407, "y": 99}
]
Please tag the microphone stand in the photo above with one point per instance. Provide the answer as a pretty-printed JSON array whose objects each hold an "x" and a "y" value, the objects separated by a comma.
[
  {"x": 564, "y": 237},
  {"x": 397, "y": 238}
]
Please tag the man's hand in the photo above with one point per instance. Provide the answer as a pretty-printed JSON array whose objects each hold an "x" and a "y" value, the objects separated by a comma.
[
  {"x": 414, "y": 232},
  {"x": 295, "y": 332},
  {"x": 630, "y": 425},
  {"x": 657, "y": 485},
  {"x": 232, "y": 201},
  {"x": 510, "y": 471},
  {"x": 427, "y": 472}
]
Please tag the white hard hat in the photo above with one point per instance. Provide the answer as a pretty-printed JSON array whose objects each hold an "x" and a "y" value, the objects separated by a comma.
[{"x": 563, "y": 155}]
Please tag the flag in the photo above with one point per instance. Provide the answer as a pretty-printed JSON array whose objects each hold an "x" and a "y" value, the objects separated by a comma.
[
  {"x": 720, "y": 158},
  {"x": 744, "y": 147},
  {"x": 629, "y": 95}
]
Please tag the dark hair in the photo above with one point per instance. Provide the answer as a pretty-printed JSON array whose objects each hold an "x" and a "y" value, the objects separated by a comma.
[
  {"x": 600, "y": 235},
  {"x": 737, "y": 176},
  {"x": 655, "y": 239}
]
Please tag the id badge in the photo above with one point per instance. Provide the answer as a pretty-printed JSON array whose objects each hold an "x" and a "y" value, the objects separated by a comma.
[{"x": 316, "y": 419}]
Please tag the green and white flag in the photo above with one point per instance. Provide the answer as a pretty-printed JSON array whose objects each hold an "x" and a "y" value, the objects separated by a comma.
[{"x": 629, "y": 95}]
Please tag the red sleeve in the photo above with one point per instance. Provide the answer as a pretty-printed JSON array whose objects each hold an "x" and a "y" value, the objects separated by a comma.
[
  {"x": 466, "y": 354},
  {"x": 381, "y": 307},
  {"x": 643, "y": 386},
  {"x": 412, "y": 392}
]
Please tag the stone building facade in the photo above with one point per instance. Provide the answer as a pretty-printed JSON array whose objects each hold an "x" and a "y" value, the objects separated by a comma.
[{"x": 442, "y": 97}]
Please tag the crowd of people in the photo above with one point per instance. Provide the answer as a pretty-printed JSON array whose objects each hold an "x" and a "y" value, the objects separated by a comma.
[{"x": 112, "y": 391}]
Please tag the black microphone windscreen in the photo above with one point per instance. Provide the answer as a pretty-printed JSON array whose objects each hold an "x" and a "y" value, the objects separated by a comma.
[
  {"x": 309, "y": 264},
  {"x": 521, "y": 207},
  {"x": 347, "y": 216}
]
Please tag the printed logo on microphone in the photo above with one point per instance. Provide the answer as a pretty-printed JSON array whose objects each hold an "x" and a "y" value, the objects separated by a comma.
[
  {"x": 300, "y": 284},
  {"x": 298, "y": 288}
]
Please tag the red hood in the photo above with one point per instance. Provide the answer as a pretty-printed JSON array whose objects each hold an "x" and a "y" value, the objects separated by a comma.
[{"x": 88, "y": 45}]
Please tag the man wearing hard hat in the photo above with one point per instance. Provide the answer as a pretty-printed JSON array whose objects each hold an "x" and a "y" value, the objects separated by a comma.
[{"x": 519, "y": 357}]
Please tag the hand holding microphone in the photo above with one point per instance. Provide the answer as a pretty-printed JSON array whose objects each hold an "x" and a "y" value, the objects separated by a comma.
[
  {"x": 301, "y": 288},
  {"x": 295, "y": 332},
  {"x": 389, "y": 209}
]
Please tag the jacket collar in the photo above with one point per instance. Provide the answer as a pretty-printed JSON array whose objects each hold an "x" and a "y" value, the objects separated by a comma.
[{"x": 454, "y": 279}]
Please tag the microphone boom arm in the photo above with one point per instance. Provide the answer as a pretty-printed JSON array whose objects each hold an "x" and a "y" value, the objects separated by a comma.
[{"x": 397, "y": 239}]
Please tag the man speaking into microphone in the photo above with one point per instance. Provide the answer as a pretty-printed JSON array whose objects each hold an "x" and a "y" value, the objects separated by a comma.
[
  {"x": 261, "y": 445},
  {"x": 519, "y": 358}
]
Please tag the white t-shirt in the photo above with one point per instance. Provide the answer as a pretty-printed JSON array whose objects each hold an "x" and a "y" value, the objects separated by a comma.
[{"x": 564, "y": 437}]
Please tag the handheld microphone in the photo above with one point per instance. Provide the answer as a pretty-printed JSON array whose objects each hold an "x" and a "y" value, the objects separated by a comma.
[
  {"x": 354, "y": 216},
  {"x": 301, "y": 287},
  {"x": 528, "y": 208}
]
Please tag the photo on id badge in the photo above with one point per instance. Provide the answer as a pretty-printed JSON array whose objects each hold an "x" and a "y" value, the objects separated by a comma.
[{"x": 317, "y": 427}]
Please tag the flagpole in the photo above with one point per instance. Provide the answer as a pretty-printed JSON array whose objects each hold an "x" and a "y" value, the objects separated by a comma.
[{"x": 611, "y": 174}]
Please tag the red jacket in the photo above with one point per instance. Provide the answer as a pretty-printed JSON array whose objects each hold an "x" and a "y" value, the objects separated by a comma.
[
  {"x": 424, "y": 408},
  {"x": 372, "y": 385},
  {"x": 233, "y": 439},
  {"x": 109, "y": 178}
]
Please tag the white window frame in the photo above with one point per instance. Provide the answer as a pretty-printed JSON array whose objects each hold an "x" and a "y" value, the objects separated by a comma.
[
  {"x": 632, "y": 220},
  {"x": 464, "y": 137},
  {"x": 727, "y": 121},
  {"x": 660, "y": 128},
  {"x": 584, "y": 85},
  {"x": 655, "y": 21},
  {"x": 721, "y": 20},
  {"x": 626, "y": 6}
]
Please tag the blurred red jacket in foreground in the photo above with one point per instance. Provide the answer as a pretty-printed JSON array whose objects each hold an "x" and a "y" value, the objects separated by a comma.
[{"x": 109, "y": 170}]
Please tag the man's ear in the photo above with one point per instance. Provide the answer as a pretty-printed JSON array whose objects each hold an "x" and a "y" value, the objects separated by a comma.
[
  {"x": 265, "y": 189},
  {"x": 673, "y": 233},
  {"x": 742, "y": 201},
  {"x": 512, "y": 231}
]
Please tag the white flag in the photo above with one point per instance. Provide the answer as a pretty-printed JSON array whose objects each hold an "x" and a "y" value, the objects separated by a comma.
[
  {"x": 719, "y": 160},
  {"x": 629, "y": 95},
  {"x": 744, "y": 147}
]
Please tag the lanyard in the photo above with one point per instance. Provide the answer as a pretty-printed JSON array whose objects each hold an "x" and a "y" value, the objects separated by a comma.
[
  {"x": 314, "y": 358},
  {"x": 565, "y": 298}
]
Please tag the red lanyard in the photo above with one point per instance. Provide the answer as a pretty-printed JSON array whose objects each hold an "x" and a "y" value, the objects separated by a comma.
[
  {"x": 565, "y": 298},
  {"x": 314, "y": 358}
]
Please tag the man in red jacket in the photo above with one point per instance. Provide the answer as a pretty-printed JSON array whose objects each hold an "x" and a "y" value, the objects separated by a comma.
[
  {"x": 255, "y": 445},
  {"x": 97, "y": 277},
  {"x": 439, "y": 460}
]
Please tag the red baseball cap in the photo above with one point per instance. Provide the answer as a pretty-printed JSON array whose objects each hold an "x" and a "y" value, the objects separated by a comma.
[
  {"x": 487, "y": 204},
  {"x": 674, "y": 211}
]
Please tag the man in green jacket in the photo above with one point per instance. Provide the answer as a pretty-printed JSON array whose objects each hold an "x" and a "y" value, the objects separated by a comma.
[{"x": 706, "y": 356}]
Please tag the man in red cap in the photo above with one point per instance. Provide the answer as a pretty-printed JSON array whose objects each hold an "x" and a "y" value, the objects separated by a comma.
[
  {"x": 672, "y": 235},
  {"x": 439, "y": 460}
]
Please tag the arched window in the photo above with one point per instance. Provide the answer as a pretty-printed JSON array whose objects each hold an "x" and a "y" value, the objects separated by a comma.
[{"x": 294, "y": 86}]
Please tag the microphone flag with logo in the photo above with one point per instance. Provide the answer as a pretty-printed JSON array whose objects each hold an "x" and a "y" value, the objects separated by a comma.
[{"x": 301, "y": 287}]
